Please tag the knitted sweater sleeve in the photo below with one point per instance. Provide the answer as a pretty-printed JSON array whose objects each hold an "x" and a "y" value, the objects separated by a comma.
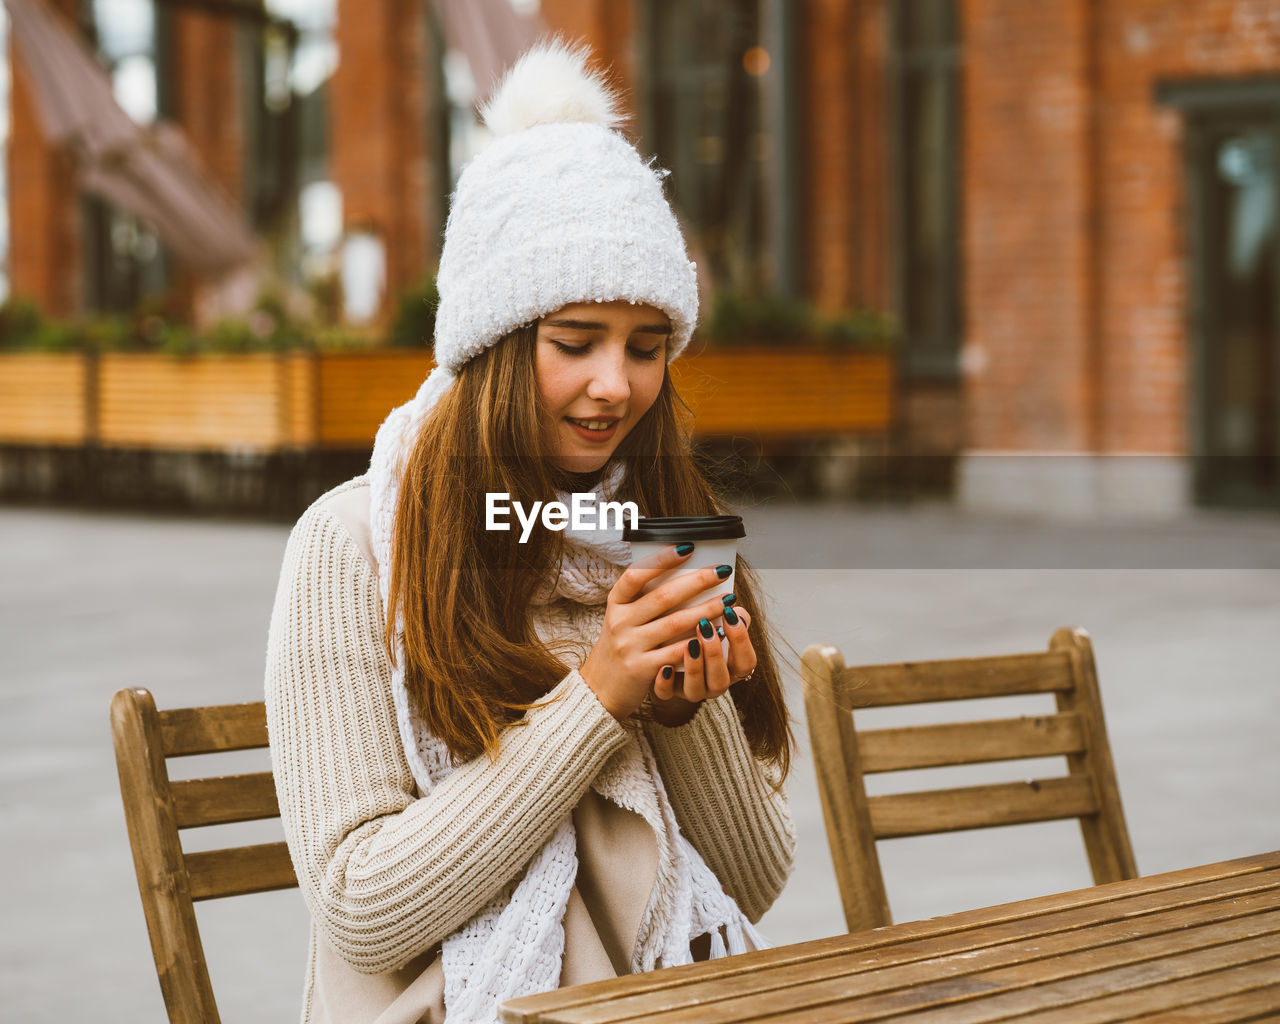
[
  {"x": 726, "y": 805},
  {"x": 388, "y": 874}
]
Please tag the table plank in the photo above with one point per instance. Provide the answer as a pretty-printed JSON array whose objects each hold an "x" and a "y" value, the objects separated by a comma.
[
  {"x": 1062, "y": 930},
  {"x": 1255, "y": 983},
  {"x": 682, "y": 986},
  {"x": 1078, "y": 991},
  {"x": 942, "y": 983},
  {"x": 1258, "y": 1005}
]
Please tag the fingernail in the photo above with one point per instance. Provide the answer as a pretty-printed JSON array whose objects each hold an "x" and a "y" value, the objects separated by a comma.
[
  {"x": 729, "y": 599},
  {"x": 666, "y": 671},
  {"x": 724, "y": 571},
  {"x": 730, "y": 616},
  {"x": 720, "y": 633},
  {"x": 704, "y": 627},
  {"x": 683, "y": 549},
  {"x": 694, "y": 648}
]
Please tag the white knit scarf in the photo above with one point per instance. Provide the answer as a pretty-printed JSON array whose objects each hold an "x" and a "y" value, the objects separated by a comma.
[{"x": 513, "y": 946}]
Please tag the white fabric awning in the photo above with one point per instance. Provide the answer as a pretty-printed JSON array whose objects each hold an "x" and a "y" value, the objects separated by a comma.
[{"x": 152, "y": 173}]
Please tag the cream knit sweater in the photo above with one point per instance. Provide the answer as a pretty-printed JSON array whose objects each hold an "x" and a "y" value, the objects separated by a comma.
[{"x": 387, "y": 873}]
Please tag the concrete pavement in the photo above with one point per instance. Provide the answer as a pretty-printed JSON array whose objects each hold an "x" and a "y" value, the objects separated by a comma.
[{"x": 1185, "y": 618}]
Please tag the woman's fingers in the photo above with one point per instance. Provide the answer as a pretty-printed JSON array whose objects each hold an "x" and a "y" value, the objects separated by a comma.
[
  {"x": 664, "y": 687},
  {"x": 706, "y": 674},
  {"x": 633, "y": 580},
  {"x": 715, "y": 669},
  {"x": 742, "y": 653},
  {"x": 672, "y": 593},
  {"x": 680, "y": 623},
  {"x": 695, "y": 687}
]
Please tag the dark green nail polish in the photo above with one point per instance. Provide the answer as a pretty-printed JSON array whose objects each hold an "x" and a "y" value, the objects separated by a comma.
[
  {"x": 694, "y": 648},
  {"x": 729, "y": 599},
  {"x": 704, "y": 627},
  {"x": 666, "y": 671},
  {"x": 724, "y": 571},
  {"x": 730, "y": 616},
  {"x": 683, "y": 549},
  {"x": 720, "y": 632}
]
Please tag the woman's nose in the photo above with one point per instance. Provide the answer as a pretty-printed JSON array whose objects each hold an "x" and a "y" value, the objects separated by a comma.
[{"x": 609, "y": 381}]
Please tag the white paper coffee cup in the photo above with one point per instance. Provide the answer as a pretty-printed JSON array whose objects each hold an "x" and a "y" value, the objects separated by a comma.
[{"x": 715, "y": 542}]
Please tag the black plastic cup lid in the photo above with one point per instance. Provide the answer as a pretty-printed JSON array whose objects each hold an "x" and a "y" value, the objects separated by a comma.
[{"x": 674, "y": 529}]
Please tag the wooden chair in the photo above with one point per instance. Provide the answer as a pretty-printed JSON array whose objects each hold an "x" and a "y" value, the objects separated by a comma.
[
  {"x": 155, "y": 809},
  {"x": 843, "y": 756}
]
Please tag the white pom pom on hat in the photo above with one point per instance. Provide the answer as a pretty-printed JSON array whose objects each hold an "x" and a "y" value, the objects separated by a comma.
[
  {"x": 550, "y": 84},
  {"x": 558, "y": 208}
]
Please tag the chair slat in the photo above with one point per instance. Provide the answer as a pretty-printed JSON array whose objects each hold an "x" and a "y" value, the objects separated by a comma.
[
  {"x": 963, "y": 679},
  {"x": 221, "y": 800},
  {"x": 1008, "y": 803},
  {"x": 239, "y": 870},
  {"x": 212, "y": 729},
  {"x": 936, "y": 746}
]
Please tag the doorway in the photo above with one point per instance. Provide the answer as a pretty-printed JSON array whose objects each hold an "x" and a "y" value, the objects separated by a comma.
[{"x": 1233, "y": 196}]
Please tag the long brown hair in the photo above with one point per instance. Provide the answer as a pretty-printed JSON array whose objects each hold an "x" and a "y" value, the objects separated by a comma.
[{"x": 473, "y": 662}]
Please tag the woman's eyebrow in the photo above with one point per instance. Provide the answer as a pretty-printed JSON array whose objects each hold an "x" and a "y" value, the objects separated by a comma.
[{"x": 593, "y": 325}]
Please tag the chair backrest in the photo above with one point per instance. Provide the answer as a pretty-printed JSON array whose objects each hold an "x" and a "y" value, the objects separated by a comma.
[
  {"x": 844, "y": 755},
  {"x": 156, "y": 809}
]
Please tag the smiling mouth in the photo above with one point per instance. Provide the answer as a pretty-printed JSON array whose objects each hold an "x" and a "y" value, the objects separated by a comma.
[{"x": 596, "y": 426}]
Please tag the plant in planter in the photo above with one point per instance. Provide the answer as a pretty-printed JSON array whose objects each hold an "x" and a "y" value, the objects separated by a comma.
[
  {"x": 414, "y": 324},
  {"x": 43, "y": 380},
  {"x": 778, "y": 369},
  {"x": 20, "y": 324},
  {"x": 772, "y": 318}
]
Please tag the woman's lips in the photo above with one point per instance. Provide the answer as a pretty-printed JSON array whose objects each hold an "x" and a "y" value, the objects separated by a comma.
[{"x": 595, "y": 436}]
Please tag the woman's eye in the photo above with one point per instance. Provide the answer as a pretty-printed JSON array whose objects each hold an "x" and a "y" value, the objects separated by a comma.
[
  {"x": 571, "y": 350},
  {"x": 652, "y": 353}
]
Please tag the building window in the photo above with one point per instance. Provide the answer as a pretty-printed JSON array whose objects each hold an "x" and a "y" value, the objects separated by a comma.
[
  {"x": 926, "y": 59},
  {"x": 701, "y": 114},
  {"x": 124, "y": 261},
  {"x": 291, "y": 198}
]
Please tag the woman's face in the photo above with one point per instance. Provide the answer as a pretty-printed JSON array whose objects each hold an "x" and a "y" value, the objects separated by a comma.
[{"x": 599, "y": 367}]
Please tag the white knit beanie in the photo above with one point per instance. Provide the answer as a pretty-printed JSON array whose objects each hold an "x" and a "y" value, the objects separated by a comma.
[{"x": 558, "y": 208}]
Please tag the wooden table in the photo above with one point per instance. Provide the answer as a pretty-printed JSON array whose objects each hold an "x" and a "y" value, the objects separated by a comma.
[{"x": 1196, "y": 945}]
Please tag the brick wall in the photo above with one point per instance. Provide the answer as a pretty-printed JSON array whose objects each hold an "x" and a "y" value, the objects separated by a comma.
[
  {"x": 379, "y": 108},
  {"x": 1026, "y": 198},
  {"x": 44, "y": 209},
  {"x": 1146, "y": 356},
  {"x": 208, "y": 100},
  {"x": 1074, "y": 243},
  {"x": 828, "y": 122},
  {"x": 842, "y": 48}
]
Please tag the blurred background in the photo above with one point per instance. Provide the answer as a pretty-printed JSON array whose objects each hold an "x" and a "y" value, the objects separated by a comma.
[
  {"x": 990, "y": 346},
  {"x": 946, "y": 240}
]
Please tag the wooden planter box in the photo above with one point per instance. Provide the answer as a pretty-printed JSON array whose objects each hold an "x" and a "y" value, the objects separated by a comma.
[
  {"x": 760, "y": 392},
  {"x": 356, "y": 390},
  {"x": 258, "y": 402},
  {"x": 266, "y": 402},
  {"x": 778, "y": 393},
  {"x": 44, "y": 398}
]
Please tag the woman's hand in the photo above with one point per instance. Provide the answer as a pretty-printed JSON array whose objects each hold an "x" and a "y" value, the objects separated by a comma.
[
  {"x": 707, "y": 674},
  {"x": 641, "y": 632},
  {"x": 707, "y": 671}
]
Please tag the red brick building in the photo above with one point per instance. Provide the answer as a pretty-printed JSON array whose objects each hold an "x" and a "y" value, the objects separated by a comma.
[
  {"x": 1119, "y": 251},
  {"x": 1070, "y": 205}
]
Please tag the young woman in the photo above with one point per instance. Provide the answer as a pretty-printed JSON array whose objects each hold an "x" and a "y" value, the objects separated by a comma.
[{"x": 489, "y": 781}]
